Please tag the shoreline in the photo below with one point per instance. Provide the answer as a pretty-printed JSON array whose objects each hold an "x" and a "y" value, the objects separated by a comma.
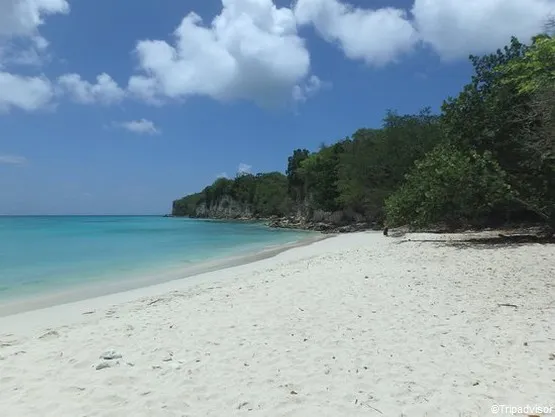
[
  {"x": 537, "y": 230},
  {"x": 355, "y": 325},
  {"x": 292, "y": 223},
  {"x": 83, "y": 292}
]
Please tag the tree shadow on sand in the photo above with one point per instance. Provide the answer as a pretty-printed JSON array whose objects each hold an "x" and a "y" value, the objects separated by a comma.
[{"x": 489, "y": 242}]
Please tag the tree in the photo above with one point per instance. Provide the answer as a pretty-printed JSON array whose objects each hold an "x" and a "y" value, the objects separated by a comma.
[
  {"x": 376, "y": 160},
  {"x": 533, "y": 77},
  {"x": 449, "y": 186},
  {"x": 271, "y": 198},
  {"x": 295, "y": 182},
  {"x": 490, "y": 153},
  {"x": 186, "y": 206},
  {"x": 320, "y": 175},
  {"x": 244, "y": 188},
  {"x": 504, "y": 111},
  {"x": 535, "y": 69},
  {"x": 482, "y": 117}
]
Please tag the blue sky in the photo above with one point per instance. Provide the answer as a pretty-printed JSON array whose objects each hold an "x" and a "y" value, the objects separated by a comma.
[{"x": 174, "y": 110}]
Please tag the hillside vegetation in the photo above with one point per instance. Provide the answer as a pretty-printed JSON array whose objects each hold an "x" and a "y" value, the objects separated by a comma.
[{"x": 487, "y": 159}]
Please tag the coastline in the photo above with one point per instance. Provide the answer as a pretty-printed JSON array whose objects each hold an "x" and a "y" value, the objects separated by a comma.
[
  {"x": 294, "y": 223},
  {"x": 357, "y": 324},
  {"x": 160, "y": 275}
]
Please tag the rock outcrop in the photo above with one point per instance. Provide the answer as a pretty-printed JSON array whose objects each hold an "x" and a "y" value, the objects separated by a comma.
[
  {"x": 326, "y": 222},
  {"x": 302, "y": 219},
  {"x": 224, "y": 208}
]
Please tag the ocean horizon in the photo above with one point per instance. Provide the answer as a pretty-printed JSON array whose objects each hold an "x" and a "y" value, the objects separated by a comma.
[{"x": 45, "y": 254}]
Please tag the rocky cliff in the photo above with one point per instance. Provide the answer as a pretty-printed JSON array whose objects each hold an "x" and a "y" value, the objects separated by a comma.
[
  {"x": 342, "y": 221},
  {"x": 302, "y": 218},
  {"x": 224, "y": 208}
]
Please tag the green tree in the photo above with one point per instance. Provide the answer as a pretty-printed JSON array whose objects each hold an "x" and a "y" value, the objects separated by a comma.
[
  {"x": 186, "y": 206},
  {"x": 503, "y": 111},
  {"x": 296, "y": 183},
  {"x": 533, "y": 77},
  {"x": 375, "y": 161},
  {"x": 449, "y": 186},
  {"x": 482, "y": 117},
  {"x": 271, "y": 197},
  {"x": 535, "y": 69},
  {"x": 244, "y": 188},
  {"x": 491, "y": 152},
  {"x": 320, "y": 175}
]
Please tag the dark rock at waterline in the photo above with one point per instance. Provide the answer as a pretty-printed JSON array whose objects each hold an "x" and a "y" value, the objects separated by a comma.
[{"x": 324, "y": 227}]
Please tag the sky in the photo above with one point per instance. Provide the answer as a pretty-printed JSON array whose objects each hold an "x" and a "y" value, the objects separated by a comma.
[{"x": 112, "y": 107}]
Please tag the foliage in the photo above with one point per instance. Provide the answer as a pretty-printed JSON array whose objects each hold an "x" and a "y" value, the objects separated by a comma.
[
  {"x": 375, "y": 161},
  {"x": 187, "y": 205},
  {"x": 449, "y": 186},
  {"x": 489, "y": 154},
  {"x": 533, "y": 78},
  {"x": 264, "y": 194},
  {"x": 482, "y": 117},
  {"x": 500, "y": 112},
  {"x": 320, "y": 175},
  {"x": 295, "y": 182},
  {"x": 534, "y": 70},
  {"x": 270, "y": 197}
]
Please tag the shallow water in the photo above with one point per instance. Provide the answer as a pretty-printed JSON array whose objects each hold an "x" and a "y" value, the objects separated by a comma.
[{"x": 44, "y": 254}]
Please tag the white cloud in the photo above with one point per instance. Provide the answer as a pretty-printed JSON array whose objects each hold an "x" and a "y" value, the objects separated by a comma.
[
  {"x": 22, "y": 44},
  {"x": 13, "y": 159},
  {"x": 452, "y": 28},
  {"x": 141, "y": 126},
  {"x": 244, "y": 169},
  {"x": 457, "y": 28},
  {"x": 312, "y": 86},
  {"x": 26, "y": 93},
  {"x": 250, "y": 51},
  {"x": 222, "y": 175},
  {"x": 104, "y": 91},
  {"x": 31, "y": 52},
  {"x": 23, "y": 17},
  {"x": 375, "y": 36}
]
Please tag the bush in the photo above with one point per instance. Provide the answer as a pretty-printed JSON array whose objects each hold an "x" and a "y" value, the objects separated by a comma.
[{"x": 449, "y": 186}]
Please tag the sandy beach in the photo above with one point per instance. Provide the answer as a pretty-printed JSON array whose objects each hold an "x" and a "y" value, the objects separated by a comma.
[{"x": 354, "y": 325}]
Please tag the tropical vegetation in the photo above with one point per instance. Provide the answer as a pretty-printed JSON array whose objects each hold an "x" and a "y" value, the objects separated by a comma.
[{"x": 487, "y": 158}]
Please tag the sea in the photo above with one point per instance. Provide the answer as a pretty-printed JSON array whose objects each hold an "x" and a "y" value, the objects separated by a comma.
[{"x": 46, "y": 254}]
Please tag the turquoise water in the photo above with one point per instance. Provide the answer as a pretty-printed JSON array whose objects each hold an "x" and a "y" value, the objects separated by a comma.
[{"x": 42, "y": 254}]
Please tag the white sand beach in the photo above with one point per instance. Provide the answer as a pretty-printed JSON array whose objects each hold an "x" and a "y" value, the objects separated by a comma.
[{"x": 354, "y": 325}]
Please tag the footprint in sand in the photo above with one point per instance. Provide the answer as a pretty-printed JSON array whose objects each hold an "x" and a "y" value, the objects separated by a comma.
[{"x": 49, "y": 335}]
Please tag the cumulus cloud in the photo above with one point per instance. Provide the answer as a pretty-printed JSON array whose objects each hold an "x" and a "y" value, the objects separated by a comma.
[
  {"x": 244, "y": 169},
  {"x": 104, "y": 91},
  {"x": 251, "y": 51},
  {"x": 452, "y": 28},
  {"x": 455, "y": 29},
  {"x": 312, "y": 86},
  {"x": 29, "y": 52},
  {"x": 13, "y": 160},
  {"x": 22, "y": 44},
  {"x": 142, "y": 126},
  {"x": 26, "y": 93},
  {"x": 376, "y": 36},
  {"x": 23, "y": 17}
]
